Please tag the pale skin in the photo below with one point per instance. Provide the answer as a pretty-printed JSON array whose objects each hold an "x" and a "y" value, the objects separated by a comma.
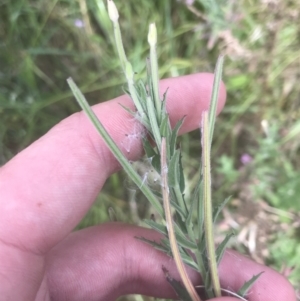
[{"x": 47, "y": 189}]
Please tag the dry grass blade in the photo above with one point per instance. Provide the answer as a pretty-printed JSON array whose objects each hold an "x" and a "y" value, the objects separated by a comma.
[{"x": 175, "y": 250}]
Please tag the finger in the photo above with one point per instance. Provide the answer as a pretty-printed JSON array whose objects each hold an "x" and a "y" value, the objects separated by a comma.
[
  {"x": 58, "y": 177},
  {"x": 105, "y": 262},
  {"x": 236, "y": 269}
]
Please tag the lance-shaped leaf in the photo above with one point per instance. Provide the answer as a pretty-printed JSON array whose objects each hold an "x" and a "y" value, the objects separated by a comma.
[
  {"x": 219, "y": 208},
  {"x": 181, "y": 239},
  {"x": 180, "y": 290},
  {"x": 174, "y": 175},
  {"x": 174, "y": 135},
  {"x": 156, "y": 245},
  {"x": 215, "y": 96},
  {"x": 153, "y": 122},
  {"x": 222, "y": 247},
  {"x": 247, "y": 285}
]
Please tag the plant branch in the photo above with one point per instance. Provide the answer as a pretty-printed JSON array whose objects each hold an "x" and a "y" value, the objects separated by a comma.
[{"x": 170, "y": 226}]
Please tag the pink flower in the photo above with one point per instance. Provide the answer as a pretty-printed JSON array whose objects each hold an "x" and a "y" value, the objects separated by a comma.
[
  {"x": 246, "y": 159},
  {"x": 78, "y": 23}
]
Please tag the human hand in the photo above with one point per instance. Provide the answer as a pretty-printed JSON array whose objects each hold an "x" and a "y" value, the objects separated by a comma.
[{"x": 46, "y": 190}]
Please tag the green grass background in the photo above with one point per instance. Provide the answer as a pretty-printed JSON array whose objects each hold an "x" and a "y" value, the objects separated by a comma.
[{"x": 43, "y": 42}]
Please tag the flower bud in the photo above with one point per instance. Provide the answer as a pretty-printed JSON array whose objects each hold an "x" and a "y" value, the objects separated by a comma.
[
  {"x": 112, "y": 11},
  {"x": 152, "y": 35}
]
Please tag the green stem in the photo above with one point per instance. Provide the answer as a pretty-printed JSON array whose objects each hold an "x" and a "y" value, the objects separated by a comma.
[
  {"x": 119, "y": 44},
  {"x": 170, "y": 226},
  {"x": 208, "y": 219}
]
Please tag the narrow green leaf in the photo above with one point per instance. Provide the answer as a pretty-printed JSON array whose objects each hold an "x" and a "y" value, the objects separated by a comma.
[
  {"x": 156, "y": 245},
  {"x": 153, "y": 122},
  {"x": 149, "y": 150},
  {"x": 222, "y": 247},
  {"x": 132, "y": 90},
  {"x": 114, "y": 148},
  {"x": 149, "y": 78},
  {"x": 164, "y": 107},
  {"x": 133, "y": 113},
  {"x": 156, "y": 163},
  {"x": 215, "y": 96},
  {"x": 200, "y": 210},
  {"x": 174, "y": 174},
  {"x": 194, "y": 200},
  {"x": 179, "y": 211},
  {"x": 187, "y": 258},
  {"x": 142, "y": 92},
  {"x": 143, "y": 120},
  {"x": 247, "y": 285},
  {"x": 219, "y": 208},
  {"x": 152, "y": 39},
  {"x": 181, "y": 239},
  {"x": 185, "y": 242},
  {"x": 181, "y": 175},
  {"x": 164, "y": 100},
  {"x": 179, "y": 289},
  {"x": 164, "y": 126},
  {"x": 173, "y": 171},
  {"x": 156, "y": 226},
  {"x": 174, "y": 135}
]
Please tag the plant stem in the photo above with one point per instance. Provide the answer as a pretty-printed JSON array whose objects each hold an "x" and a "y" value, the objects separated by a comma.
[
  {"x": 208, "y": 220},
  {"x": 170, "y": 226},
  {"x": 114, "y": 16}
]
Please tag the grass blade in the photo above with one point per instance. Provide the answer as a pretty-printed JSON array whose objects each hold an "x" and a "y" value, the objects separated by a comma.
[{"x": 215, "y": 96}]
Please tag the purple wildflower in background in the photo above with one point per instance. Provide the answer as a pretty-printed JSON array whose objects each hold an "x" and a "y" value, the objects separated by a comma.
[
  {"x": 246, "y": 159},
  {"x": 78, "y": 23}
]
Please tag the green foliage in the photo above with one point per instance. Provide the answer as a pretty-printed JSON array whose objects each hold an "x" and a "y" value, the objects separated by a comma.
[
  {"x": 285, "y": 252},
  {"x": 192, "y": 243},
  {"x": 41, "y": 46}
]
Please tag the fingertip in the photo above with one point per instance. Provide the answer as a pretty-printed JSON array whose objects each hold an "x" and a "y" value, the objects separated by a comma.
[
  {"x": 236, "y": 269},
  {"x": 189, "y": 96}
]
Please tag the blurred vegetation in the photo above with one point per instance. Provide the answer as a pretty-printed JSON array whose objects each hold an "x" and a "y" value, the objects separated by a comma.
[{"x": 257, "y": 146}]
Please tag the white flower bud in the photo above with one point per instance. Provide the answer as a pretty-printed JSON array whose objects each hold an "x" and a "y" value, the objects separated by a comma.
[
  {"x": 112, "y": 11},
  {"x": 152, "y": 35}
]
